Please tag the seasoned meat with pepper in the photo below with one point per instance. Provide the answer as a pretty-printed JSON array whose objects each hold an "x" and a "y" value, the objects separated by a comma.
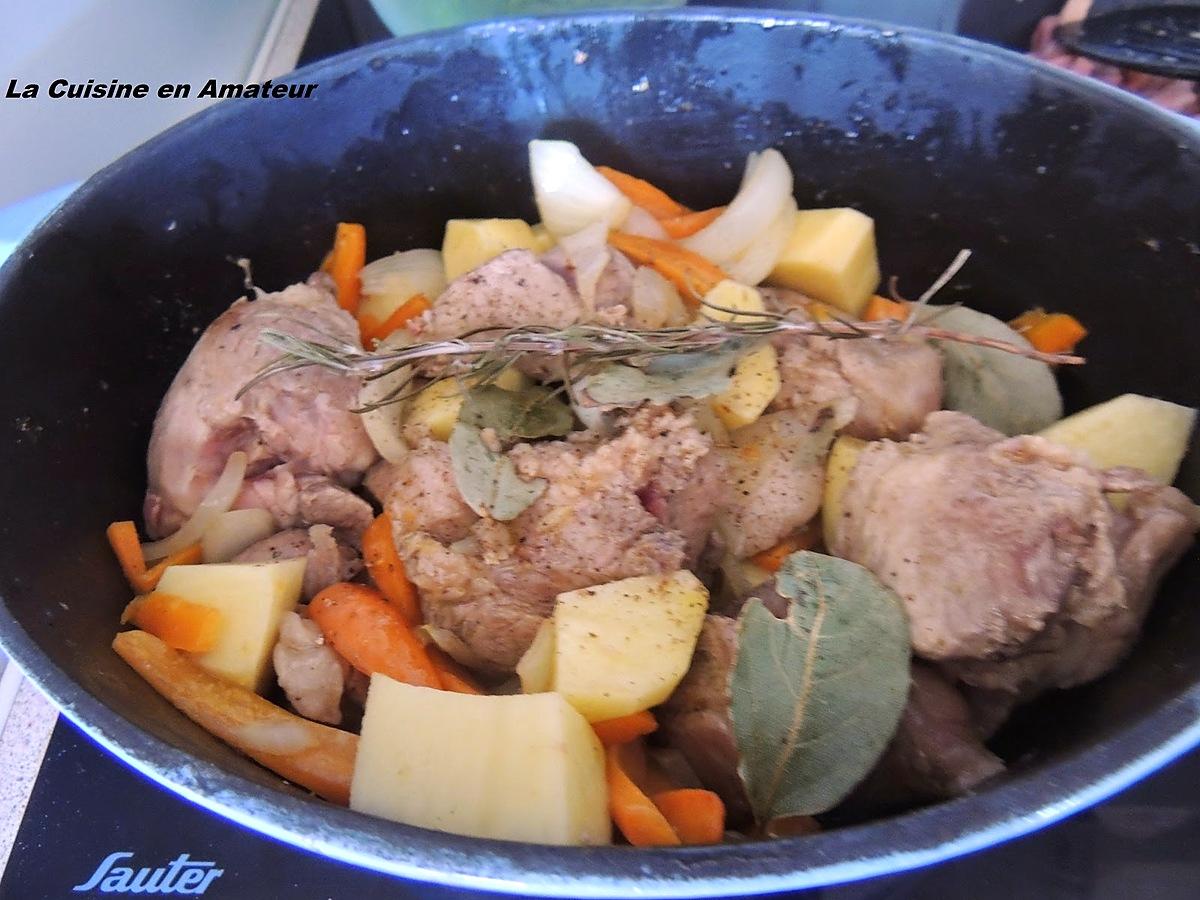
[
  {"x": 305, "y": 447},
  {"x": 1017, "y": 572}
]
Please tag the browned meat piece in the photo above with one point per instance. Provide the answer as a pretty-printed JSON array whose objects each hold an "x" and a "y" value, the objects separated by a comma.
[
  {"x": 776, "y": 476},
  {"x": 311, "y": 674},
  {"x": 936, "y": 753},
  {"x": 422, "y": 496},
  {"x": 696, "y": 719},
  {"x": 381, "y": 480},
  {"x": 895, "y": 384},
  {"x": 329, "y": 560},
  {"x": 304, "y": 445},
  {"x": 1016, "y": 571},
  {"x": 589, "y": 527},
  {"x": 512, "y": 289},
  {"x": 692, "y": 509}
]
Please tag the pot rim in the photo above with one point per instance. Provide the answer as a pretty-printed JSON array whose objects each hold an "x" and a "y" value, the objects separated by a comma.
[{"x": 1022, "y": 803}]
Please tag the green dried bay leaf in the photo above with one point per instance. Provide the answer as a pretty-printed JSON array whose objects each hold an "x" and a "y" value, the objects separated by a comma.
[
  {"x": 1010, "y": 393},
  {"x": 692, "y": 375},
  {"x": 533, "y": 412},
  {"x": 487, "y": 480},
  {"x": 816, "y": 697}
]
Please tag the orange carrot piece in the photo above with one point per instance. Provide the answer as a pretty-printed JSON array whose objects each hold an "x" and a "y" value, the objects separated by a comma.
[
  {"x": 624, "y": 729},
  {"x": 373, "y": 331},
  {"x": 698, "y": 816},
  {"x": 690, "y": 272},
  {"x": 689, "y": 223},
  {"x": 654, "y": 201},
  {"x": 122, "y": 537},
  {"x": 633, "y": 812},
  {"x": 322, "y": 760},
  {"x": 454, "y": 676},
  {"x": 180, "y": 624},
  {"x": 773, "y": 558},
  {"x": 1055, "y": 333},
  {"x": 1027, "y": 319},
  {"x": 386, "y": 569},
  {"x": 880, "y": 308},
  {"x": 371, "y": 634},
  {"x": 348, "y": 258}
]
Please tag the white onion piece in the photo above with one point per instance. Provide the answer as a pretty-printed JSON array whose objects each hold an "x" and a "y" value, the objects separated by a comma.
[
  {"x": 654, "y": 300},
  {"x": 570, "y": 194},
  {"x": 408, "y": 271},
  {"x": 757, "y": 260},
  {"x": 384, "y": 424},
  {"x": 452, "y": 645},
  {"x": 643, "y": 224},
  {"x": 766, "y": 187},
  {"x": 588, "y": 254},
  {"x": 219, "y": 499},
  {"x": 232, "y": 532}
]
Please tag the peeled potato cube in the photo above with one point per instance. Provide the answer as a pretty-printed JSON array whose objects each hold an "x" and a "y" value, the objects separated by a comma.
[
  {"x": 469, "y": 243},
  {"x": 252, "y": 598},
  {"x": 842, "y": 458},
  {"x": 525, "y": 767},
  {"x": 732, "y": 295},
  {"x": 434, "y": 411},
  {"x": 831, "y": 257},
  {"x": 535, "y": 668},
  {"x": 1130, "y": 430},
  {"x": 543, "y": 240},
  {"x": 752, "y": 387},
  {"x": 623, "y": 647}
]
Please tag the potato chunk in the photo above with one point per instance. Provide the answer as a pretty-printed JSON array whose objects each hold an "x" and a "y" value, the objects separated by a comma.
[
  {"x": 252, "y": 598},
  {"x": 469, "y": 243},
  {"x": 1130, "y": 430},
  {"x": 518, "y": 768},
  {"x": 434, "y": 411},
  {"x": 535, "y": 669},
  {"x": 753, "y": 386},
  {"x": 623, "y": 647},
  {"x": 732, "y": 295},
  {"x": 831, "y": 257},
  {"x": 842, "y": 458}
]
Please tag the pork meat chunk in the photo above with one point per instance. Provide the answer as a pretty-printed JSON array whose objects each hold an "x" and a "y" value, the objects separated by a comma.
[
  {"x": 512, "y": 289},
  {"x": 310, "y": 672},
  {"x": 491, "y": 583},
  {"x": 329, "y": 560},
  {"x": 1017, "y": 572},
  {"x": 305, "y": 447}
]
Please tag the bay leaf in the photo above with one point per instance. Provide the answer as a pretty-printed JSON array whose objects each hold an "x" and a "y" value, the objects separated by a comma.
[
  {"x": 693, "y": 375},
  {"x": 532, "y": 412},
  {"x": 1010, "y": 393},
  {"x": 816, "y": 697},
  {"x": 487, "y": 480}
]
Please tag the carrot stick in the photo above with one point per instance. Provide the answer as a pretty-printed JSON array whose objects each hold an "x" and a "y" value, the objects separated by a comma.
[
  {"x": 180, "y": 624},
  {"x": 624, "y": 729},
  {"x": 698, "y": 816},
  {"x": 689, "y": 223},
  {"x": 373, "y": 331},
  {"x": 321, "y": 758},
  {"x": 122, "y": 537},
  {"x": 454, "y": 676},
  {"x": 1056, "y": 333},
  {"x": 386, "y": 569},
  {"x": 879, "y": 308},
  {"x": 773, "y": 558},
  {"x": 348, "y": 258},
  {"x": 633, "y": 812},
  {"x": 644, "y": 194},
  {"x": 690, "y": 272},
  {"x": 371, "y": 634}
]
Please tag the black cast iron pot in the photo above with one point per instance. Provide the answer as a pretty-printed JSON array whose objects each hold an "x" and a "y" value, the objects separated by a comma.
[{"x": 1071, "y": 195}]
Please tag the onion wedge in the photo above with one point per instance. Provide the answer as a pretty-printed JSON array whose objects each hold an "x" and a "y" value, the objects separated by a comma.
[
  {"x": 766, "y": 188},
  {"x": 219, "y": 499}
]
